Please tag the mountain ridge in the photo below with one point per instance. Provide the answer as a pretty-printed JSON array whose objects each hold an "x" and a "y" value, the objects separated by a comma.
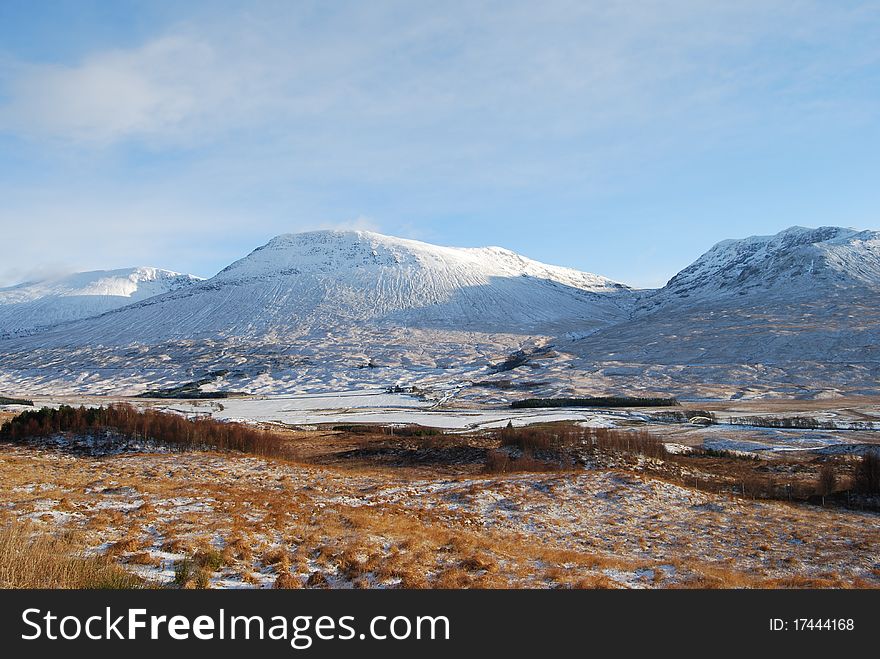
[
  {"x": 797, "y": 311},
  {"x": 797, "y": 255},
  {"x": 324, "y": 277},
  {"x": 42, "y": 303}
]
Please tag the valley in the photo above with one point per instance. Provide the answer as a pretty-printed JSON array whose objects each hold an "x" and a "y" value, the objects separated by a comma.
[
  {"x": 371, "y": 505},
  {"x": 343, "y": 409}
]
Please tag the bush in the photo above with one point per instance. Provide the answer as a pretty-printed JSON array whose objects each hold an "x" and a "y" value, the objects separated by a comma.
[
  {"x": 635, "y": 442},
  {"x": 867, "y": 476},
  {"x": 827, "y": 480},
  {"x": 558, "y": 446},
  {"x": 183, "y": 571},
  {"x": 528, "y": 439},
  {"x": 15, "y": 401},
  {"x": 210, "y": 559},
  {"x": 796, "y": 422},
  {"x": 189, "y": 573},
  {"x": 501, "y": 462}
]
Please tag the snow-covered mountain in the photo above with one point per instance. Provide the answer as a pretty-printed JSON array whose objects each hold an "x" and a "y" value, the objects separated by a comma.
[
  {"x": 317, "y": 306},
  {"x": 797, "y": 313},
  {"x": 61, "y": 299},
  {"x": 302, "y": 284},
  {"x": 795, "y": 262},
  {"x": 327, "y": 277}
]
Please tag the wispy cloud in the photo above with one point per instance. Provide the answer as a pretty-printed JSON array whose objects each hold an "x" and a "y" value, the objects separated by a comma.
[
  {"x": 146, "y": 92},
  {"x": 492, "y": 69},
  {"x": 284, "y": 116}
]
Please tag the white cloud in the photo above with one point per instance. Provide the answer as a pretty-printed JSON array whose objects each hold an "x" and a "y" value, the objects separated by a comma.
[
  {"x": 283, "y": 117},
  {"x": 143, "y": 92},
  {"x": 483, "y": 72},
  {"x": 360, "y": 223}
]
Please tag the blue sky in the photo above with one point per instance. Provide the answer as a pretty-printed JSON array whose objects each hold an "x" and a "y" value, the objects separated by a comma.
[{"x": 622, "y": 138}]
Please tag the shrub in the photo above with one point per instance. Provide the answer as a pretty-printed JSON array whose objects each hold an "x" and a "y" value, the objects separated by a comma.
[
  {"x": 528, "y": 439},
  {"x": 210, "y": 559},
  {"x": 636, "y": 442},
  {"x": 189, "y": 573},
  {"x": 183, "y": 571},
  {"x": 501, "y": 462},
  {"x": 558, "y": 446},
  {"x": 15, "y": 401},
  {"x": 287, "y": 581},
  {"x": 827, "y": 480},
  {"x": 797, "y": 422},
  {"x": 867, "y": 476}
]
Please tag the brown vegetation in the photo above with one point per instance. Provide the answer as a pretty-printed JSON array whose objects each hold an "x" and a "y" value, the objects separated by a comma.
[
  {"x": 30, "y": 559},
  {"x": 370, "y": 510},
  {"x": 827, "y": 481},
  {"x": 161, "y": 428},
  {"x": 556, "y": 446},
  {"x": 867, "y": 476}
]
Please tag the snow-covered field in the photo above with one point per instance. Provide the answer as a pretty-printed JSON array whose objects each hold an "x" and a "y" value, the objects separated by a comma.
[
  {"x": 377, "y": 406},
  {"x": 363, "y": 511}
]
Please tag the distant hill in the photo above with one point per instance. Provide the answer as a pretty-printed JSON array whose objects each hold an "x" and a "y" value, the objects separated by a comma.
[{"x": 36, "y": 304}]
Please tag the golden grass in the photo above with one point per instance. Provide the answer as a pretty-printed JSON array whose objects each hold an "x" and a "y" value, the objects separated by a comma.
[
  {"x": 271, "y": 520},
  {"x": 33, "y": 560},
  {"x": 287, "y": 581}
]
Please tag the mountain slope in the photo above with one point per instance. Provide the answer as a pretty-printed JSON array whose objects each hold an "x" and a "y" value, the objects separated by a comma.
[
  {"x": 299, "y": 284},
  {"x": 796, "y": 311},
  {"x": 48, "y": 302},
  {"x": 311, "y": 309},
  {"x": 793, "y": 262}
]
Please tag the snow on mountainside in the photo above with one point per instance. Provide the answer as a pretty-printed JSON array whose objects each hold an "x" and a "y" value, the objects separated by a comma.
[
  {"x": 794, "y": 312},
  {"x": 324, "y": 309},
  {"x": 331, "y": 275},
  {"x": 797, "y": 313},
  {"x": 37, "y": 304},
  {"x": 793, "y": 261},
  {"x": 362, "y": 254},
  {"x": 302, "y": 284}
]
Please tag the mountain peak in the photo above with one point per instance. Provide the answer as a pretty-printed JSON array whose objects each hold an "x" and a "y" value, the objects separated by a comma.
[
  {"x": 79, "y": 295},
  {"x": 792, "y": 236},
  {"x": 303, "y": 286},
  {"x": 794, "y": 259},
  {"x": 358, "y": 254},
  {"x": 326, "y": 236}
]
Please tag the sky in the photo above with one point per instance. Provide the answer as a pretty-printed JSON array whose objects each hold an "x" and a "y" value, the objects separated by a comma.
[{"x": 621, "y": 138}]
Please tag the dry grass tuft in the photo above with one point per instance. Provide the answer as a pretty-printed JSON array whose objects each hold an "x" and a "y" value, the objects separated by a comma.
[
  {"x": 31, "y": 560},
  {"x": 317, "y": 580},
  {"x": 144, "y": 558},
  {"x": 287, "y": 581},
  {"x": 124, "y": 546},
  {"x": 275, "y": 556}
]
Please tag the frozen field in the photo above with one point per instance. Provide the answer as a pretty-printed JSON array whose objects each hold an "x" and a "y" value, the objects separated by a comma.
[{"x": 378, "y": 406}]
